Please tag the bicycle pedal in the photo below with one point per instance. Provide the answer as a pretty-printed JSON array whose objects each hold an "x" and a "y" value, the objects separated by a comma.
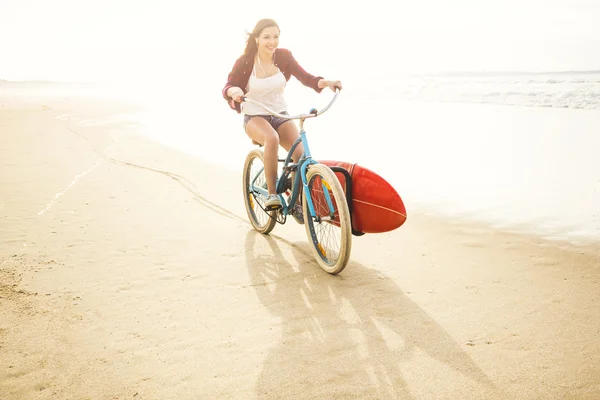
[{"x": 273, "y": 208}]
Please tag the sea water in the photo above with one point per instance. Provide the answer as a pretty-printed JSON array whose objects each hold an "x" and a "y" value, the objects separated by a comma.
[{"x": 516, "y": 151}]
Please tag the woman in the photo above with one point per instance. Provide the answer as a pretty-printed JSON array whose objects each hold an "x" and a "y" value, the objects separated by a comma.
[{"x": 261, "y": 74}]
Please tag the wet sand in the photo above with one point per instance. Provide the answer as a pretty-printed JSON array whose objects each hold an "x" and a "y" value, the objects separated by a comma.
[{"x": 129, "y": 271}]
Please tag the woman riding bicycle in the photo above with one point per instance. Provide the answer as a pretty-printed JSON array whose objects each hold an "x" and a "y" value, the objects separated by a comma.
[{"x": 261, "y": 74}]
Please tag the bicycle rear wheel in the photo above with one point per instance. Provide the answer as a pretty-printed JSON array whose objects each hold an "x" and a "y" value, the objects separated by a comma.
[
  {"x": 254, "y": 176},
  {"x": 329, "y": 233}
]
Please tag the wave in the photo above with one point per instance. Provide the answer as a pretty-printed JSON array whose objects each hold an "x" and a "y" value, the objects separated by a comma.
[{"x": 566, "y": 89}]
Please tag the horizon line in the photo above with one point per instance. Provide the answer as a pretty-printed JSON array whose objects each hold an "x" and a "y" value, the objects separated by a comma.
[{"x": 506, "y": 72}]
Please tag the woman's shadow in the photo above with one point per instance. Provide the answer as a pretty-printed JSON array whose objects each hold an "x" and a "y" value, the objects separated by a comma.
[{"x": 354, "y": 335}]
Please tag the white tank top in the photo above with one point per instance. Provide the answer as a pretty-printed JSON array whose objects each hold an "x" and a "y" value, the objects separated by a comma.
[{"x": 268, "y": 91}]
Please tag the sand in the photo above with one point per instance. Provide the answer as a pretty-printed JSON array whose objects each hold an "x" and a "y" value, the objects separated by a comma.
[{"x": 129, "y": 270}]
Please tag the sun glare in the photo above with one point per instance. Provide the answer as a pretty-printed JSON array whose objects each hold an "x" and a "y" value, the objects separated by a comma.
[{"x": 131, "y": 39}]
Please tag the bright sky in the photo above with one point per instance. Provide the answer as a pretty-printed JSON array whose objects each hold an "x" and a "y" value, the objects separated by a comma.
[{"x": 178, "y": 39}]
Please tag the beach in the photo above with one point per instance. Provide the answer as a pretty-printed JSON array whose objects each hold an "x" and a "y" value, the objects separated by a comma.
[{"x": 129, "y": 270}]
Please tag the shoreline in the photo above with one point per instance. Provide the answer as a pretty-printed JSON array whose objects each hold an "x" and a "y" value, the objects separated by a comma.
[{"x": 144, "y": 279}]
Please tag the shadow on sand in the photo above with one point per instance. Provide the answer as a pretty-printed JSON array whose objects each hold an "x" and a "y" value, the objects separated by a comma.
[{"x": 354, "y": 335}]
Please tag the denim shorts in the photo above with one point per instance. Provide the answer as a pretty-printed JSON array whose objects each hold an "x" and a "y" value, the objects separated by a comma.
[{"x": 275, "y": 122}]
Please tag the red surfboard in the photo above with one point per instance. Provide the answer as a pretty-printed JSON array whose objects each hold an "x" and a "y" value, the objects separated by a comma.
[{"x": 376, "y": 205}]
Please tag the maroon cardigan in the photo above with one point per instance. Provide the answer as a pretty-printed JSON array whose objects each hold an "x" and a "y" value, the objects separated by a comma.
[{"x": 287, "y": 64}]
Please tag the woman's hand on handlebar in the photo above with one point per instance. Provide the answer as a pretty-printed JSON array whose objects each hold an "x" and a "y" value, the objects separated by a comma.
[
  {"x": 333, "y": 85},
  {"x": 236, "y": 93}
]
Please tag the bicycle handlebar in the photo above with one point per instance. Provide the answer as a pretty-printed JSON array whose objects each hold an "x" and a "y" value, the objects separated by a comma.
[{"x": 311, "y": 114}]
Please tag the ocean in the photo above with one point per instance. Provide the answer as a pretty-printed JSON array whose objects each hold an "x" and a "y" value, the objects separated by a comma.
[{"x": 516, "y": 151}]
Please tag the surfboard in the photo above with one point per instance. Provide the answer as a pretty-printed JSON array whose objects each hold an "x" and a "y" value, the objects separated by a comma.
[{"x": 376, "y": 205}]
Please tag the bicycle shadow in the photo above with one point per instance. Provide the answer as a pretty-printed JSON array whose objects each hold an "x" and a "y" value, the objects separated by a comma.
[{"x": 346, "y": 335}]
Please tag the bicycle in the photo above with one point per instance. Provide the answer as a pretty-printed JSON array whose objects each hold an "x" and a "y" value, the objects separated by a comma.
[{"x": 324, "y": 203}]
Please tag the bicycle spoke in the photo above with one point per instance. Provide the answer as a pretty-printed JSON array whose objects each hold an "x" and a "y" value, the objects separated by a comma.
[
  {"x": 329, "y": 229},
  {"x": 253, "y": 180}
]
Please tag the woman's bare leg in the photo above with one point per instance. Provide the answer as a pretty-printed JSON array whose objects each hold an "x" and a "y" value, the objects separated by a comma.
[
  {"x": 288, "y": 133},
  {"x": 261, "y": 131}
]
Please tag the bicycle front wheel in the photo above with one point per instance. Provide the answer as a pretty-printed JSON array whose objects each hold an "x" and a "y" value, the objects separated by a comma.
[
  {"x": 254, "y": 177},
  {"x": 329, "y": 231}
]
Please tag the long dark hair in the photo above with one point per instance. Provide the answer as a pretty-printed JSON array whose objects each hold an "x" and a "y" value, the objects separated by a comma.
[{"x": 251, "y": 47}]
